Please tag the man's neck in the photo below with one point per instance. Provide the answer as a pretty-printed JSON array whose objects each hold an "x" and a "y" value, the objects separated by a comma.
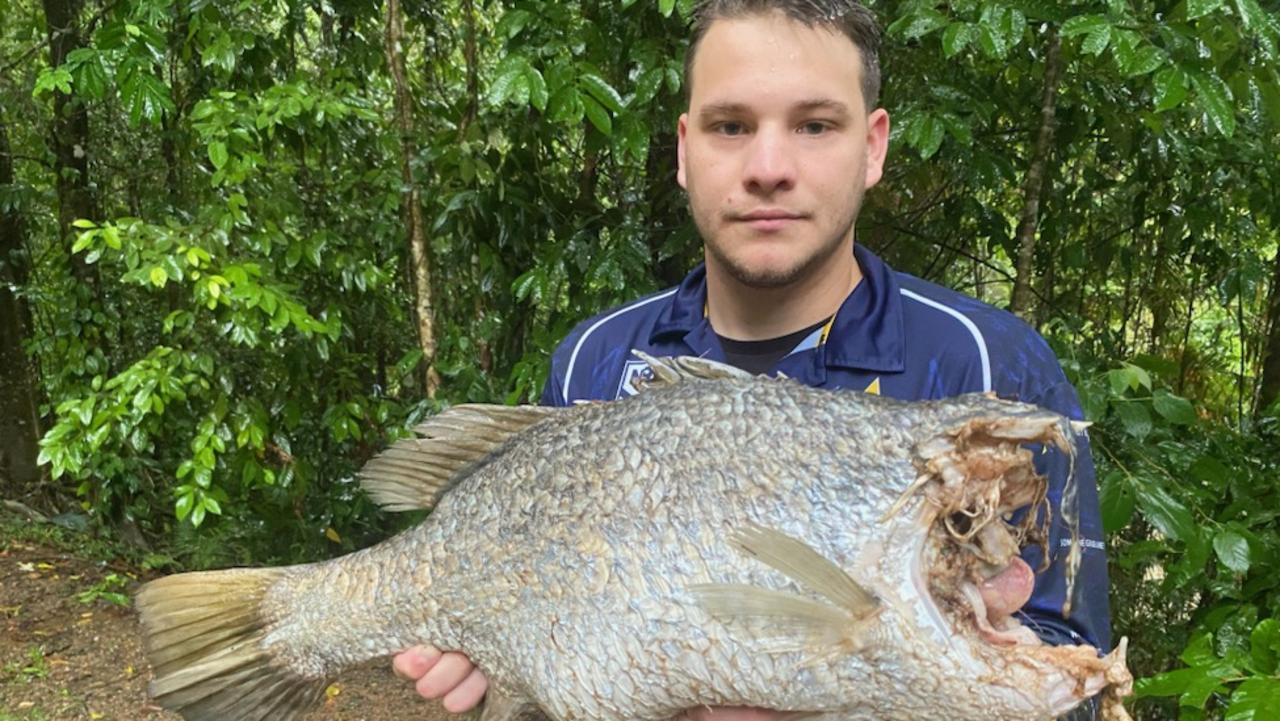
[{"x": 746, "y": 313}]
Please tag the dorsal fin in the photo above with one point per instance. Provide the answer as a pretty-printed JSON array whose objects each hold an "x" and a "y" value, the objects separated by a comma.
[
  {"x": 676, "y": 369},
  {"x": 414, "y": 473}
]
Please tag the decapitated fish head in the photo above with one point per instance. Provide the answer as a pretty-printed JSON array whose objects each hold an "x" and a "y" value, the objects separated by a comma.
[{"x": 983, "y": 501}]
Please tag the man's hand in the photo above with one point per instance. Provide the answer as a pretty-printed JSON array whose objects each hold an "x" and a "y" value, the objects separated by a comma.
[{"x": 448, "y": 676}]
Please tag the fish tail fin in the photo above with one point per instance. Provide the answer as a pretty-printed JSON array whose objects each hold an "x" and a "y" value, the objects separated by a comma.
[{"x": 204, "y": 635}]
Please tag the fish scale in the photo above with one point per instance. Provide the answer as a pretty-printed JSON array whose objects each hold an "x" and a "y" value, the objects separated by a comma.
[{"x": 717, "y": 539}]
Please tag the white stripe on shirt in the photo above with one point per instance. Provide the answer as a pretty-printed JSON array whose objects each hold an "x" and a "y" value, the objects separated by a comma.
[
  {"x": 573, "y": 358},
  {"x": 973, "y": 329}
]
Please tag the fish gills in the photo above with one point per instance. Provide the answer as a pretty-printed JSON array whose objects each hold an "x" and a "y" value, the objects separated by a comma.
[{"x": 204, "y": 635}]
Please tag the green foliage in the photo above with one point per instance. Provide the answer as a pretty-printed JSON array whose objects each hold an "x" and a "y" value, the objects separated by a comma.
[
  {"x": 109, "y": 589},
  {"x": 35, "y": 666},
  {"x": 1194, "y": 535}
]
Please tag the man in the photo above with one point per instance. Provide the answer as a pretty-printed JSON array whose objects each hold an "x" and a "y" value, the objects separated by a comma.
[{"x": 781, "y": 140}]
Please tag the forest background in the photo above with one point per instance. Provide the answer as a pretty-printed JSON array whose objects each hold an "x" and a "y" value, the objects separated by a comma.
[{"x": 244, "y": 244}]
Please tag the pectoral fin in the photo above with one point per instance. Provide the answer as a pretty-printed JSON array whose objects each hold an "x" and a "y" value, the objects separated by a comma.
[
  {"x": 839, "y": 620},
  {"x": 798, "y": 561}
]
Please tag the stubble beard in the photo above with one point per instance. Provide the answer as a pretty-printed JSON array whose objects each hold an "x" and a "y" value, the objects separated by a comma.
[{"x": 769, "y": 278}]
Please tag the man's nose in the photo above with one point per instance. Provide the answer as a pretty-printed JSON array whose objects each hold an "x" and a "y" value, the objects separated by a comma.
[{"x": 770, "y": 163}]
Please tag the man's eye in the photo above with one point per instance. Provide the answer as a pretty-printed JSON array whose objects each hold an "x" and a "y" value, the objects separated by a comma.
[
  {"x": 731, "y": 128},
  {"x": 814, "y": 127}
]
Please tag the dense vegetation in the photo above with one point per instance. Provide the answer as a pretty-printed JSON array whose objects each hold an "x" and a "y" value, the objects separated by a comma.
[{"x": 245, "y": 244}]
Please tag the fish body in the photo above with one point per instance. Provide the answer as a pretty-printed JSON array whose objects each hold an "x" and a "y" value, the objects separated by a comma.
[{"x": 717, "y": 539}]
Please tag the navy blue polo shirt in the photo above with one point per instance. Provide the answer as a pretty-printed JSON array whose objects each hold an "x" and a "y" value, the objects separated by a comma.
[{"x": 898, "y": 336}]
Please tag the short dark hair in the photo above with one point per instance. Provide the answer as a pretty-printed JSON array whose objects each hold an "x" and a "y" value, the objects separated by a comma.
[{"x": 845, "y": 16}]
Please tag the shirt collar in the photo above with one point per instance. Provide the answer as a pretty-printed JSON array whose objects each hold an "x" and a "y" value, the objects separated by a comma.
[{"x": 867, "y": 333}]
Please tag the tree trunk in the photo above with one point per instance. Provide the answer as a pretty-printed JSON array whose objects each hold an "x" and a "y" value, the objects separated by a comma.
[
  {"x": 1184, "y": 355},
  {"x": 1270, "y": 392},
  {"x": 1034, "y": 183},
  {"x": 473, "y": 74},
  {"x": 19, "y": 419},
  {"x": 410, "y": 198},
  {"x": 1126, "y": 310},
  {"x": 70, "y": 137}
]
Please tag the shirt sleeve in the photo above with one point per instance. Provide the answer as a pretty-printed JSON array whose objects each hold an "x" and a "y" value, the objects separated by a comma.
[{"x": 553, "y": 391}]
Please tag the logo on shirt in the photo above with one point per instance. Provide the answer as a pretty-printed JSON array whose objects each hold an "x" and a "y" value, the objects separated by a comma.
[
  {"x": 636, "y": 370},
  {"x": 874, "y": 388}
]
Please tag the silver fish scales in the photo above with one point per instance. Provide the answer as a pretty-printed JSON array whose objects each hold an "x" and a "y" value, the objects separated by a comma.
[{"x": 718, "y": 539}]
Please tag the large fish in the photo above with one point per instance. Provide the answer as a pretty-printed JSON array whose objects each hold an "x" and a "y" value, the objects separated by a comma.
[{"x": 717, "y": 539}]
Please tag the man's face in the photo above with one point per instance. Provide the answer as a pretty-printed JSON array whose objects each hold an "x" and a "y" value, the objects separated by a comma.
[{"x": 777, "y": 148}]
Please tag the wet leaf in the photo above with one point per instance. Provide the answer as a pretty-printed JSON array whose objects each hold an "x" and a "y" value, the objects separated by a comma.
[
  {"x": 1165, "y": 512},
  {"x": 1232, "y": 550}
]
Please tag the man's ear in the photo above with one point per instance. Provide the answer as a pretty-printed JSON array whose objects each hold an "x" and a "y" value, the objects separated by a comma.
[
  {"x": 682, "y": 129},
  {"x": 877, "y": 145}
]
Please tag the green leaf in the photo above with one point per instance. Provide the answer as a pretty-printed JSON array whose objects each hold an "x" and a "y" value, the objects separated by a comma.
[
  {"x": 185, "y": 502},
  {"x": 158, "y": 277},
  {"x": 218, "y": 154},
  {"x": 917, "y": 25},
  {"x": 1251, "y": 14},
  {"x": 1170, "y": 683},
  {"x": 513, "y": 21},
  {"x": 1135, "y": 418},
  {"x": 538, "y": 95},
  {"x": 598, "y": 116},
  {"x": 956, "y": 38},
  {"x": 1084, "y": 25},
  {"x": 146, "y": 96},
  {"x": 1255, "y": 700},
  {"x": 665, "y": 7},
  {"x": 1264, "y": 646},
  {"x": 928, "y": 136},
  {"x": 1165, "y": 512},
  {"x": 992, "y": 42},
  {"x": 89, "y": 72},
  {"x": 1232, "y": 550},
  {"x": 1215, "y": 99},
  {"x": 1117, "y": 501},
  {"x": 1175, "y": 409},
  {"x": 1200, "y": 8},
  {"x": 1200, "y": 689},
  {"x": 1171, "y": 88},
  {"x": 602, "y": 91},
  {"x": 511, "y": 81},
  {"x": 1097, "y": 41},
  {"x": 1210, "y": 470},
  {"x": 1199, "y": 651},
  {"x": 647, "y": 87},
  {"x": 1146, "y": 58},
  {"x": 51, "y": 79}
]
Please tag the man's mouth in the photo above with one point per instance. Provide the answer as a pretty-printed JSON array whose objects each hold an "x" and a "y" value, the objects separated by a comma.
[{"x": 768, "y": 219}]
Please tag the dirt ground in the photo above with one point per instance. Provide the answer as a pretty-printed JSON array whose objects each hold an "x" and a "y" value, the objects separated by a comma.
[{"x": 68, "y": 653}]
